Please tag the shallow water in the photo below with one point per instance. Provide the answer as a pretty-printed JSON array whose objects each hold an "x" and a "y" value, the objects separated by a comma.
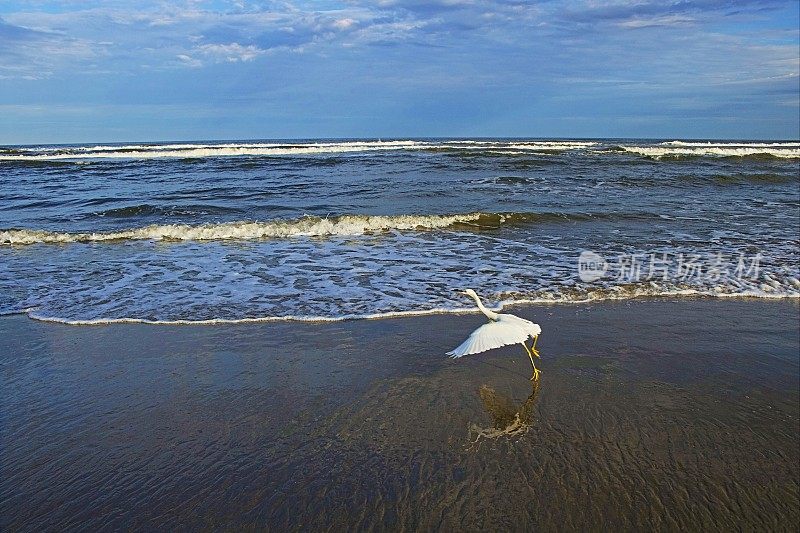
[
  {"x": 336, "y": 229},
  {"x": 649, "y": 415}
]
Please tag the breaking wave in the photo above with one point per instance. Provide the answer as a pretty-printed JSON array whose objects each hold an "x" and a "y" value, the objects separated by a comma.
[
  {"x": 302, "y": 227},
  {"x": 307, "y": 226},
  {"x": 676, "y": 149},
  {"x": 669, "y": 149},
  {"x": 706, "y": 144},
  {"x": 190, "y": 150}
]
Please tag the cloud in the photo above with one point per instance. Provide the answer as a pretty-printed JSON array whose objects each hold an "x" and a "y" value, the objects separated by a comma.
[
  {"x": 190, "y": 61},
  {"x": 232, "y": 53},
  {"x": 547, "y": 36},
  {"x": 407, "y": 53},
  {"x": 29, "y": 53},
  {"x": 597, "y": 13},
  {"x": 657, "y": 20},
  {"x": 157, "y": 32},
  {"x": 344, "y": 23}
]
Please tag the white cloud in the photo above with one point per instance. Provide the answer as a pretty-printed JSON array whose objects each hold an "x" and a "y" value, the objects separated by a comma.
[
  {"x": 344, "y": 24},
  {"x": 658, "y": 20},
  {"x": 190, "y": 61},
  {"x": 232, "y": 52},
  {"x": 158, "y": 33}
]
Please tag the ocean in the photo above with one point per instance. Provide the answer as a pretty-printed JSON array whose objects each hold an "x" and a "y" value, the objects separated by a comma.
[{"x": 339, "y": 229}]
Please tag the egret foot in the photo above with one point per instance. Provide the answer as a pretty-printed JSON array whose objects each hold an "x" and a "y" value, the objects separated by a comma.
[{"x": 536, "y": 373}]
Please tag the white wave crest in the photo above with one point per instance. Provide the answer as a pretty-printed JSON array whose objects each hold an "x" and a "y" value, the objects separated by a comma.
[
  {"x": 550, "y": 145},
  {"x": 144, "y": 147},
  {"x": 307, "y": 226},
  {"x": 712, "y": 150},
  {"x": 198, "y": 150},
  {"x": 210, "y": 150},
  {"x": 709, "y": 144},
  {"x": 511, "y": 147}
]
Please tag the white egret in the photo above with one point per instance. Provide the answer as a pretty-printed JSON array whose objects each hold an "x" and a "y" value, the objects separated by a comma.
[{"x": 503, "y": 329}]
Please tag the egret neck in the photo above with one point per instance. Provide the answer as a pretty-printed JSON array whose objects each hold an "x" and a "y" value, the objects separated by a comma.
[{"x": 491, "y": 315}]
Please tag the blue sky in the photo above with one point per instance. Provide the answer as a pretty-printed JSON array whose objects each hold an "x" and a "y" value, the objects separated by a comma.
[{"x": 84, "y": 71}]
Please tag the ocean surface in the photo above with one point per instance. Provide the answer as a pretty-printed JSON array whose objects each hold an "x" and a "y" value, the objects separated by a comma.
[{"x": 333, "y": 229}]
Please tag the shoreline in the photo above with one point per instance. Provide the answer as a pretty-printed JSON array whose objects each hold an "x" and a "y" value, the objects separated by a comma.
[
  {"x": 650, "y": 413},
  {"x": 505, "y": 305}
]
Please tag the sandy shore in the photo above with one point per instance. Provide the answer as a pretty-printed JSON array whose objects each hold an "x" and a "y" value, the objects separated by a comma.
[{"x": 660, "y": 414}]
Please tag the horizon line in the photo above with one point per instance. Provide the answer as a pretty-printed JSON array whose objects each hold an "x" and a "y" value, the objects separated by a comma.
[{"x": 408, "y": 138}]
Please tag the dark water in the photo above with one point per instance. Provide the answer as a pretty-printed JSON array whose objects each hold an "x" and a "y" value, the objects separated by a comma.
[
  {"x": 316, "y": 229},
  {"x": 649, "y": 415}
]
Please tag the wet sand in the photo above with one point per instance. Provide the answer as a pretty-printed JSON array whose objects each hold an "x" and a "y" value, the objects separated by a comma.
[{"x": 658, "y": 414}]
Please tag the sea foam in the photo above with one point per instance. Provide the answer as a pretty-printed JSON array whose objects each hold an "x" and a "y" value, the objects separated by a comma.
[
  {"x": 734, "y": 144},
  {"x": 682, "y": 149},
  {"x": 632, "y": 292},
  {"x": 489, "y": 146},
  {"x": 244, "y": 230},
  {"x": 192, "y": 150}
]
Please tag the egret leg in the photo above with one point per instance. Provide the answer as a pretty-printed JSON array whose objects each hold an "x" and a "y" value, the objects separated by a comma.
[
  {"x": 536, "y": 371},
  {"x": 533, "y": 348}
]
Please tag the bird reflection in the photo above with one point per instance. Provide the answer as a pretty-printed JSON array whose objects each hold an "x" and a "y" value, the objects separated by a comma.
[{"x": 508, "y": 418}]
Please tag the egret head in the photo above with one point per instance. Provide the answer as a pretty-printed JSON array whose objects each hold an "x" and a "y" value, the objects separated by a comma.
[{"x": 469, "y": 292}]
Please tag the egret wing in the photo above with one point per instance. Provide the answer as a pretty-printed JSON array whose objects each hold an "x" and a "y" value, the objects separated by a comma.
[
  {"x": 530, "y": 327},
  {"x": 489, "y": 336}
]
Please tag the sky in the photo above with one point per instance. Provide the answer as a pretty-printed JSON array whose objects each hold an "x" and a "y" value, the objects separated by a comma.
[{"x": 89, "y": 71}]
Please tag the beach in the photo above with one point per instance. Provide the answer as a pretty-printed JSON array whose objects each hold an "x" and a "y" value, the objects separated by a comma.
[{"x": 665, "y": 414}]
